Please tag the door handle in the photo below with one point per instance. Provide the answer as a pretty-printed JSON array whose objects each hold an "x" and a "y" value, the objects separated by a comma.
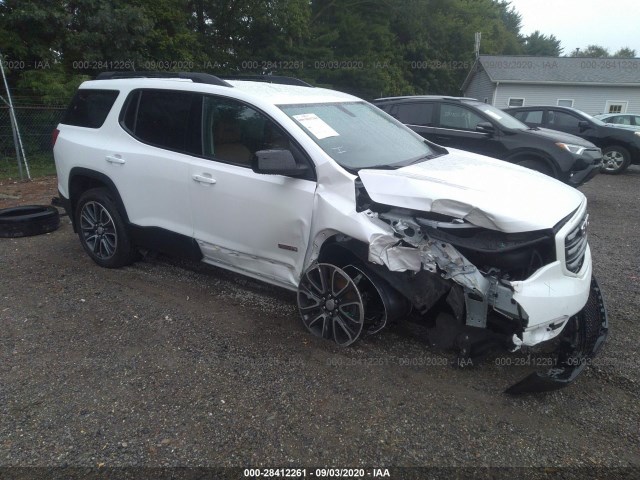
[
  {"x": 204, "y": 179},
  {"x": 114, "y": 159}
]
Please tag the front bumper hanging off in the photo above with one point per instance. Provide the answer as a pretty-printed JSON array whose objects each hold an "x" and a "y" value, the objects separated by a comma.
[{"x": 580, "y": 341}]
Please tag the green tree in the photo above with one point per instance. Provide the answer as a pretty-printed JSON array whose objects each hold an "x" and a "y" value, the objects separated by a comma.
[
  {"x": 625, "y": 52},
  {"x": 594, "y": 51},
  {"x": 538, "y": 44}
]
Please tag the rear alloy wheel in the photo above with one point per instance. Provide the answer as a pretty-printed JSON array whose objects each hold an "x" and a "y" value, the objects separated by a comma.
[
  {"x": 102, "y": 231},
  {"x": 330, "y": 304},
  {"x": 615, "y": 160}
]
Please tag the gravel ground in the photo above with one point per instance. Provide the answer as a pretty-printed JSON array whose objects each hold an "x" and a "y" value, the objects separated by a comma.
[{"x": 167, "y": 363}]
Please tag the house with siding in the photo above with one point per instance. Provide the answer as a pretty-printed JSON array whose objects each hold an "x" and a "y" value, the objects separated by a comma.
[{"x": 593, "y": 85}]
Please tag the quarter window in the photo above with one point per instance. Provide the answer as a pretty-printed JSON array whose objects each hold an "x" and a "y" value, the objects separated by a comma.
[{"x": 89, "y": 108}]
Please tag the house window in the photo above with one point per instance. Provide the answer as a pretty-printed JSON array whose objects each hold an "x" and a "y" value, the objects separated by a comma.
[
  {"x": 516, "y": 102},
  {"x": 565, "y": 102},
  {"x": 615, "y": 106}
]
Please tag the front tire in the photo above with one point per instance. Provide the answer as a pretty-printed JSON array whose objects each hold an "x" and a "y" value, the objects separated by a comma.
[
  {"x": 615, "y": 160},
  {"x": 102, "y": 231}
]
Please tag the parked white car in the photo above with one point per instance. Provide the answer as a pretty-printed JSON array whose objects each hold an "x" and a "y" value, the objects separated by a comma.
[{"x": 322, "y": 193}]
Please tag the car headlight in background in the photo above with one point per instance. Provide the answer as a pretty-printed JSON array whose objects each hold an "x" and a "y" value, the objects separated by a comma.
[
  {"x": 577, "y": 149},
  {"x": 637, "y": 133}
]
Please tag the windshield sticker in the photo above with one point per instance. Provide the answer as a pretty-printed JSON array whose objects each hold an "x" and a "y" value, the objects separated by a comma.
[
  {"x": 493, "y": 114},
  {"x": 316, "y": 126}
]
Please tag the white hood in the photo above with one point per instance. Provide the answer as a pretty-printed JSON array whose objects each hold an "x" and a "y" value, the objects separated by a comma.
[{"x": 486, "y": 192}]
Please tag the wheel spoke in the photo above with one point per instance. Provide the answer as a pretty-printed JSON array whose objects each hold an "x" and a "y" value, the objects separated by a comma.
[
  {"x": 343, "y": 326},
  {"x": 319, "y": 288},
  {"x": 339, "y": 293}
]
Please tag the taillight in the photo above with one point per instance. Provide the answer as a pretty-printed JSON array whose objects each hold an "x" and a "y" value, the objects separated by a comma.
[{"x": 54, "y": 137}]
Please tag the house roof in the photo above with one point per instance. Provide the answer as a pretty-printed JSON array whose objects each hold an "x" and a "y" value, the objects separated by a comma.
[{"x": 558, "y": 70}]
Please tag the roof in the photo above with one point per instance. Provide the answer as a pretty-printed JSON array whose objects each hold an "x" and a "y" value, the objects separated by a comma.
[
  {"x": 260, "y": 91},
  {"x": 558, "y": 70},
  {"x": 409, "y": 98}
]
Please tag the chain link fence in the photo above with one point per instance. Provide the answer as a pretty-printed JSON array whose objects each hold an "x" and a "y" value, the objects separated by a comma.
[{"x": 36, "y": 123}]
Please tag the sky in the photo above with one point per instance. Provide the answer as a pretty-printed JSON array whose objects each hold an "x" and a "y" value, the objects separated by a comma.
[{"x": 577, "y": 23}]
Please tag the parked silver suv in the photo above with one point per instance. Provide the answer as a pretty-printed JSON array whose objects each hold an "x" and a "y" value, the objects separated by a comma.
[{"x": 322, "y": 193}]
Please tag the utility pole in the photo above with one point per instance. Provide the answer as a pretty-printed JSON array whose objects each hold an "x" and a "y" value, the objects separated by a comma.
[{"x": 17, "y": 139}]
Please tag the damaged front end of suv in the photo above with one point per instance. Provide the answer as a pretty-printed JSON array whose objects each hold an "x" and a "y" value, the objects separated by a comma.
[
  {"x": 488, "y": 255},
  {"x": 481, "y": 282}
]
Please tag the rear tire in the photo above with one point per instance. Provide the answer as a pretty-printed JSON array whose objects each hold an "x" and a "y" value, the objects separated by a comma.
[
  {"x": 102, "y": 231},
  {"x": 615, "y": 160}
]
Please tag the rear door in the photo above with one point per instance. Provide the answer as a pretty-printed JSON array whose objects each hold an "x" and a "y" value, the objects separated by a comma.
[{"x": 149, "y": 158}]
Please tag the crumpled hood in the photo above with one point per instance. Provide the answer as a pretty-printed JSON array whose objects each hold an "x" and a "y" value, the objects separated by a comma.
[{"x": 486, "y": 192}]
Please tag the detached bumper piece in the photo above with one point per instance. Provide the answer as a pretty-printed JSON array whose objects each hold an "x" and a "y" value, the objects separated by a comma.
[{"x": 580, "y": 341}]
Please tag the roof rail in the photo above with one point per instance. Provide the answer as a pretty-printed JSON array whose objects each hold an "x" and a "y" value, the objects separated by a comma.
[
  {"x": 194, "y": 77},
  {"x": 270, "y": 79}
]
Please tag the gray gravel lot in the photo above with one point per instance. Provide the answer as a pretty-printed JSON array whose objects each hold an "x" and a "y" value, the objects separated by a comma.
[{"x": 167, "y": 363}]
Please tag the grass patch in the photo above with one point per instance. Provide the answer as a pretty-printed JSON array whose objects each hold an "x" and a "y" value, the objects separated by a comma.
[{"x": 39, "y": 166}]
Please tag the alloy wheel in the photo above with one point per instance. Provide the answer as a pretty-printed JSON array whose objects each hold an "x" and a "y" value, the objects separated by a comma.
[
  {"x": 330, "y": 304},
  {"x": 98, "y": 230}
]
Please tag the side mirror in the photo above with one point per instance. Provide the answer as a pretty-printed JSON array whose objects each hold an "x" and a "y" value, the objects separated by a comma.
[
  {"x": 277, "y": 162},
  {"x": 485, "y": 127},
  {"x": 583, "y": 125}
]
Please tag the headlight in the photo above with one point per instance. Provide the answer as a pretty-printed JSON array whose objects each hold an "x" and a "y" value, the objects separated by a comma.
[
  {"x": 577, "y": 149},
  {"x": 637, "y": 133}
]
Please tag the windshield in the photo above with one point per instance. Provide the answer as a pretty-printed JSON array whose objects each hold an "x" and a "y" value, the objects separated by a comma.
[
  {"x": 358, "y": 135},
  {"x": 501, "y": 117}
]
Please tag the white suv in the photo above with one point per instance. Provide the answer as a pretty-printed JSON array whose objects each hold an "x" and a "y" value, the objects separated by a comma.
[{"x": 322, "y": 193}]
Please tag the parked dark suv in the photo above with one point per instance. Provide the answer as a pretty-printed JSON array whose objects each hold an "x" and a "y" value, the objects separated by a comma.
[
  {"x": 620, "y": 146},
  {"x": 468, "y": 124}
]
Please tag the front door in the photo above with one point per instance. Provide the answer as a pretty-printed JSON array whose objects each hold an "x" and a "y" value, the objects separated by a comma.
[{"x": 252, "y": 223}]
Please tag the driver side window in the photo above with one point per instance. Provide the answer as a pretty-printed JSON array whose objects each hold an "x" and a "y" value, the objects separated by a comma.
[{"x": 234, "y": 132}]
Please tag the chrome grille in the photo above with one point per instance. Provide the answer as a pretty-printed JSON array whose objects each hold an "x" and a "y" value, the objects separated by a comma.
[{"x": 575, "y": 245}]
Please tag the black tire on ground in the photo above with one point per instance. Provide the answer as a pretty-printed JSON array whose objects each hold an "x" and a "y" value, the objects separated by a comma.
[
  {"x": 615, "y": 159},
  {"x": 537, "y": 165},
  {"x": 102, "y": 231},
  {"x": 28, "y": 220}
]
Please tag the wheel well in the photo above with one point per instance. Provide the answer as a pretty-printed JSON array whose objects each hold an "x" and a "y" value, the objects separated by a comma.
[
  {"x": 343, "y": 252},
  {"x": 81, "y": 180},
  {"x": 521, "y": 157}
]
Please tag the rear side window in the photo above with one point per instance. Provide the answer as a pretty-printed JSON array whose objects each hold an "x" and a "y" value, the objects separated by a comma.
[
  {"x": 89, "y": 108},
  {"x": 165, "y": 119},
  {"x": 459, "y": 118},
  {"x": 415, "y": 113},
  {"x": 533, "y": 116},
  {"x": 562, "y": 120}
]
